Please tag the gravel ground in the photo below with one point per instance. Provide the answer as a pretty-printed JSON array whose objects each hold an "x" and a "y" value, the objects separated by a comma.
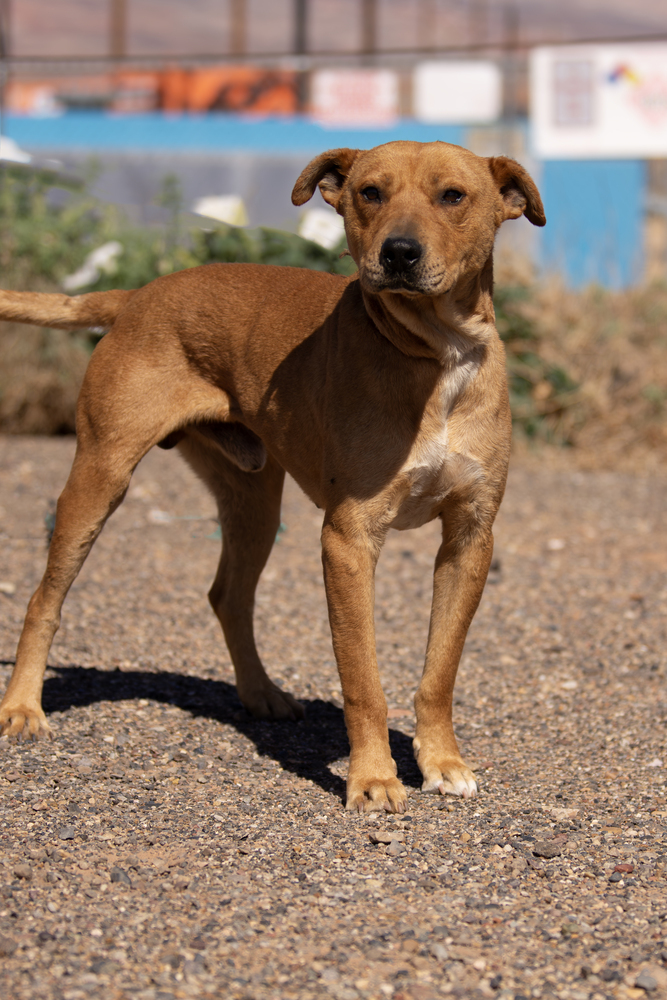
[{"x": 165, "y": 845}]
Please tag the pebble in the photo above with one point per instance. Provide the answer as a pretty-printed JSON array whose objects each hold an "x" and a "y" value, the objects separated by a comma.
[
  {"x": 118, "y": 875},
  {"x": 67, "y": 833},
  {"x": 644, "y": 981},
  {"x": 23, "y": 871},
  {"x": 386, "y": 837},
  {"x": 439, "y": 952},
  {"x": 547, "y": 849},
  {"x": 7, "y": 946}
]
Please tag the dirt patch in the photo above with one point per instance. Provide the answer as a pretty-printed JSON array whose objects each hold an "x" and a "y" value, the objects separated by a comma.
[{"x": 178, "y": 849}]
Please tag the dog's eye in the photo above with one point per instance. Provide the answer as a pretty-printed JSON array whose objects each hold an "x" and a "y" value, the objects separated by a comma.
[
  {"x": 371, "y": 194},
  {"x": 452, "y": 196}
]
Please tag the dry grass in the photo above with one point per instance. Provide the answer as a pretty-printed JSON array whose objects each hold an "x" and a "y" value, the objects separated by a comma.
[
  {"x": 40, "y": 377},
  {"x": 613, "y": 347}
]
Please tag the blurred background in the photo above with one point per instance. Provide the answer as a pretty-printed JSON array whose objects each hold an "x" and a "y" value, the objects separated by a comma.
[{"x": 141, "y": 136}]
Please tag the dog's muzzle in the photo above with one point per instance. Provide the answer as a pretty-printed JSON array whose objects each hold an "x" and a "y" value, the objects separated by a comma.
[{"x": 399, "y": 255}]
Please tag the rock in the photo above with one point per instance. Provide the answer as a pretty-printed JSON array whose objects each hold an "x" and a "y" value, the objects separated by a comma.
[
  {"x": 7, "y": 946},
  {"x": 67, "y": 833},
  {"x": 386, "y": 837},
  {"x": 615, "y": 877},
  {"x": 118, "y": 875},
  {"x": 23, "y": 871},
  {"x": 546, "y": 849},
  {"x": 394, "y": 849},
  {"x": 625, "y": 868},
  {"x": 644, "y": 981},
  {"x": 439, "y": 952},
  {"x": 561, "y": 814},
  {"x": 198, "y": 943}
]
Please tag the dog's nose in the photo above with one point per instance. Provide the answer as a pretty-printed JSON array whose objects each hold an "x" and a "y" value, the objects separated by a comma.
[{"x": 399, "y": 254}]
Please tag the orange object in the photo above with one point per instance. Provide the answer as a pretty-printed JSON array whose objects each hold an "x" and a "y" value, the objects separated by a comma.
[{"x": 229, "y": 88}]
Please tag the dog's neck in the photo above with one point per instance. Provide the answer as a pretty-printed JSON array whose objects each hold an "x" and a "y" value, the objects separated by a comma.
[{"x": 446, "y": 327}]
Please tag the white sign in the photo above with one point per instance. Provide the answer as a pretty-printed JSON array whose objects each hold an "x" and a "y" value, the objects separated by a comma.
[
  {"x": 454, "y": 93},
  {"x": 357, "y": 97},
  {"x": 599, "y": 101}
]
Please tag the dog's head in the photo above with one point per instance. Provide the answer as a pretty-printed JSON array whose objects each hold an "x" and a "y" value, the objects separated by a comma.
[{"x": 420, "y": 216}]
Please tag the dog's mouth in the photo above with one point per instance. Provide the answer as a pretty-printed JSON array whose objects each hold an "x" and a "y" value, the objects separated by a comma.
[{"x": 413, "y": 284}]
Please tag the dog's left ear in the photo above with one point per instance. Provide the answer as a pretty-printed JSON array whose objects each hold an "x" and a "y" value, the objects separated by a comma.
[
  {"x": 328, "y": 170},
  {"x": 518, "y": 190}
]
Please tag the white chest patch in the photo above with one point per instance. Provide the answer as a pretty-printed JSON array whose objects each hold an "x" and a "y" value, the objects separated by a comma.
[{"x": 432, "y": 470}]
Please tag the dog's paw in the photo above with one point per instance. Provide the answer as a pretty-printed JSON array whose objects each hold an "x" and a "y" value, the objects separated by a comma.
[
  {"x": 271, "y": 703},
  {"x": 23, "y": 722},
  {"x": 455, "y": 781},
  {"x": 376, "y": 795},
  {"x": 444, "y": 773},
  {"x": 450, "y": 776}
]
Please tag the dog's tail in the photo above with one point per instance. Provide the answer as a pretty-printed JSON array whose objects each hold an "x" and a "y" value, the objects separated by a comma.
[{"x": 64, "y": 312}]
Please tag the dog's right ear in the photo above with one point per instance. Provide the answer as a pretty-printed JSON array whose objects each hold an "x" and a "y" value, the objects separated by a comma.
[{"x": 328, "y": 170}]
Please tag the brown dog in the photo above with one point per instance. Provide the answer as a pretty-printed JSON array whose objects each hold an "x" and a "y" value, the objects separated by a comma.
[{"x": 383, "y": 395}]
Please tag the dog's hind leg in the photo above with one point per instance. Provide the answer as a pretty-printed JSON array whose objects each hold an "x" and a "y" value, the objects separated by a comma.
[
  {"x": 95, "y": 487},
  {"x": 124, "y": 409},
  {"x": 249, "y": 510}
]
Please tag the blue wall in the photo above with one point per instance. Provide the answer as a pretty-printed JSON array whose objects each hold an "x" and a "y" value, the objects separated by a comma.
[
  {"x": 97, "y": 131},
  {"x": 595, "y": 221}
]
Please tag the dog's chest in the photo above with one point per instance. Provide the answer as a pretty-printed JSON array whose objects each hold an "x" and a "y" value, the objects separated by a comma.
[
  {"x": 433, "y": 471},
  {"x": 423, "y": 484}
]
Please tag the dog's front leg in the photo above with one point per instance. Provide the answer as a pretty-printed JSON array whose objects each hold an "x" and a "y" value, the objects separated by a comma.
[
  {"x": 461, "y": 569},
  {"x": 349, "y": 558}
]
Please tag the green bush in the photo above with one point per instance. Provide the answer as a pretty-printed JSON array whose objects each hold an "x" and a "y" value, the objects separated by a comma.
[{"x": 49, "y": 225}]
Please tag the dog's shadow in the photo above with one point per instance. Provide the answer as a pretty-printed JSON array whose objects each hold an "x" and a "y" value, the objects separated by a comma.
[{"x": 305, "y": 748}]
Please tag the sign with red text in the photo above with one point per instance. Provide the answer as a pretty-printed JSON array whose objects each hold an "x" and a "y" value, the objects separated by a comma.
[{"x": 356, "y": 97}]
